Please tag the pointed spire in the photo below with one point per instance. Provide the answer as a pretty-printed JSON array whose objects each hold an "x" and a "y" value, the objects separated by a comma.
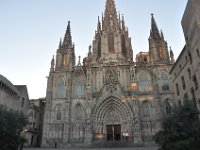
[
  {"x": 60, "y": 44},
  {"x": 110, "y": 18},
  {"x": 52, "y": 64},
  {"x": 110, "y": 8},
  {"x": 161, "y": 34},
  {"x": 67, "y": 42},
  {"x": 154, "y": 29},
  {"x": 98, "y": 26},
  {"x": 123, "y": 23},
  {"x": 119, "y": 20}
]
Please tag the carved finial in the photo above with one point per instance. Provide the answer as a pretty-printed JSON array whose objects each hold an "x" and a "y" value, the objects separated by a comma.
[
  {"x": 172, "y": 55},
  {"x": 79, "y": 60},
  {"x": 161, "y": 34},
  {"x": 123, "y": 23},
  {"x": 60, "y": 44},
  {"x": 98, "y": 26},
  {"x": 52, "y": 64},
  {"x": 90, "y": 47}
]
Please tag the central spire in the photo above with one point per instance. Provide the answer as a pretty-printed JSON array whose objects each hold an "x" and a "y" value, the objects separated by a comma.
[
  {"x": 110, "y": 19},
  {"x": 110, "y": 8},
  {"x": 67, "y": 42}
]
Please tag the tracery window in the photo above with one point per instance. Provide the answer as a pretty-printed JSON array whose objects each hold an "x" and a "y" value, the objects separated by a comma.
[
  {"x": 111, "y": 42},
  {"x": 146, "y": 109},
  {"x": 164, "y": 82},
  {"x": 58, "y": 112},
  {"x": 60, "y": 88},
  {"x": 79, "y": 89},
  {"x": 78, "y": 112},
  {"x": 143, "y": 83}
]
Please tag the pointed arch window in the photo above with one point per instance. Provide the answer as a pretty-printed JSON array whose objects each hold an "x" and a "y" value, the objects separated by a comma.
[
  {"x": 146, "y": 109},
  {"x": 143, "y": 82},
  {"x": 79, "y": 89},
  {"x": 58, "y": 112},
  {"x": 78, "y": 112},
  {"x": 168, "y": 108},
  {"x": 195, "y": 81},
  {"x": 183, "y": 82},
  {"x": 164, "y": 82},
  {"x": 177, "y": 89},
  {"x": 111, "y": 42},
  {"x": 161, "y": 52}
]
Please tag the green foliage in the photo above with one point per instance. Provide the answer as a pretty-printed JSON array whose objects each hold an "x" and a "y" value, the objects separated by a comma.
[
  {"x": 181, "y": 130},
  {"x": 11, "y": 125}
]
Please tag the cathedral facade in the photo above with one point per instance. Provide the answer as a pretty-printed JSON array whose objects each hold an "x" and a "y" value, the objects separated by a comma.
[{"x": 108, "y": 97}]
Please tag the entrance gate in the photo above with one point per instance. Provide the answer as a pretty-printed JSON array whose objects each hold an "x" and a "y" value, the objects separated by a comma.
[{"x": 113, "y": 132}]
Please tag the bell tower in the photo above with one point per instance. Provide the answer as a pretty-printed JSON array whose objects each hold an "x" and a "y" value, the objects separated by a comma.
[
  {"x": 65, "y": 56},
  {"x": 158, "y": 49}
]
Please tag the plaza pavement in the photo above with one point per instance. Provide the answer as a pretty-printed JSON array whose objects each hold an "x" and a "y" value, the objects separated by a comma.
[{"x": 121, "y": 148}]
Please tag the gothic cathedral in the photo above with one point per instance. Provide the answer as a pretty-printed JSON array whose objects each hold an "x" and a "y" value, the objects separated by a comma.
[{"x": 108, "y": 98}]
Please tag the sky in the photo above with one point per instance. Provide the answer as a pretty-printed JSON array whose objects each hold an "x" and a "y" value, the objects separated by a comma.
[{"x": 30, "y": 31}]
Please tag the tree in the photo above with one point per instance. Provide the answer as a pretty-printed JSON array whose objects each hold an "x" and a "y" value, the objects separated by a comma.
[
  {"x": 181, "y": 129},
  {"x": 11, "y": 125}
]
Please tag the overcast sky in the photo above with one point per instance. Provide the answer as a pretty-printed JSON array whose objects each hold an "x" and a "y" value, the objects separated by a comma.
[{"x": 30, "y": 31}]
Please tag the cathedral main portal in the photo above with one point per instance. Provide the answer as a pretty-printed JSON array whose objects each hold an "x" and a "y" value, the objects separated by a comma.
[{"x": 113, "y": 132}]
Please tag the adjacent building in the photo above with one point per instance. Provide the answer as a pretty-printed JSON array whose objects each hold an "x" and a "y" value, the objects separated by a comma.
[
  {"x": 186, "y": 71},
  {"x": 35, "y": 126},
  {"x": 108, "y": 98},
  {"x": 13, "y": 97}
]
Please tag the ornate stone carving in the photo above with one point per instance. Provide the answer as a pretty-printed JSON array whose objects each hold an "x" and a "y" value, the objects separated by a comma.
[{"x": 111, "y": 80}]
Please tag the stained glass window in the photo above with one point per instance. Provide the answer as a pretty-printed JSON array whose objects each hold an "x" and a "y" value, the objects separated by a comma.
[
  {"x": 164, "y": 82},
  {"x": 79, "y": 89},
  {"x": 143, "y": 83}
]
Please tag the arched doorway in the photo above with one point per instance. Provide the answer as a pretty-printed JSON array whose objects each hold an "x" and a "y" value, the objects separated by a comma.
[{"x": 111, "y": 119}]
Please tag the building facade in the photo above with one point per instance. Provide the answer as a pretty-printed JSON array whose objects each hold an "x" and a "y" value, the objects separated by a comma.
[
  {"x": 109, "y": 97},
  {"x": 186, "y": 71},
  {"x": 35, "y": 126},
  {"x": 13, "y": 97}
]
